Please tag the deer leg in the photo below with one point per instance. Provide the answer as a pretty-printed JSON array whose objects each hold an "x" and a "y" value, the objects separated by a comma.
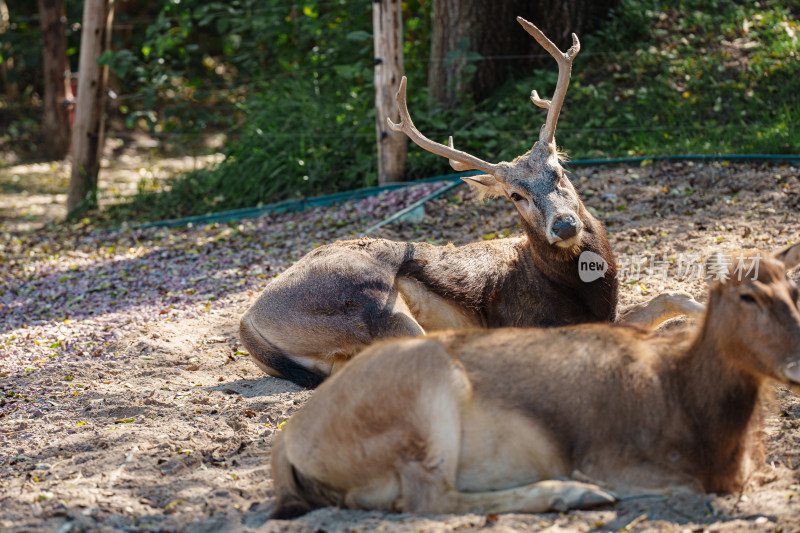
[
  {"x": 415, "y": 464},
  {"x": 539, "y": 497},
  {"x": 661, "y": 308},
  {"x": 389, "y": 443},
  {"x": 272, "y": 360},
  {"x": 399, "y": 323},
  {"x": 424, "y": 489},
  {"x": 320, "y": 313}
]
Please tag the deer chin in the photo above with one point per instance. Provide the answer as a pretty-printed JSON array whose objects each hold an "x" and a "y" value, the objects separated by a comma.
[{"x": 572, "y": 244}]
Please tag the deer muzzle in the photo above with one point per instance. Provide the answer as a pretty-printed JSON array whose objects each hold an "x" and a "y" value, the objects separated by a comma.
[{"x": 564, "y": 230}]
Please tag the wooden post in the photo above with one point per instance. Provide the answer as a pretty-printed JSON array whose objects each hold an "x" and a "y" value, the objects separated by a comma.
[
  {"x": 387, "y": 22},
  {"x": 88, "y": 130}
]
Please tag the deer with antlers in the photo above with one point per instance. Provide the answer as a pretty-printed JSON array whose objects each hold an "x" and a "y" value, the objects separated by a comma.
[
  {"x": 343, "y": 296},
  {"x": 433, "y": 425}
]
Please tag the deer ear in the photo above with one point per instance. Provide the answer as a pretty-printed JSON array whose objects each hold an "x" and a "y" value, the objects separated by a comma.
[
  {"x": 485, "y": 184},
  {"x": 789, "y": 256},
  {"x": 718, "y": 269}
]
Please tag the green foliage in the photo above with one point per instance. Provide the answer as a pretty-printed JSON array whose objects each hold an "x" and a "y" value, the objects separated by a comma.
[
  {"x": 289, "y": 84},
  {"x": 685, "y": 76},
  {"x": 706, "y": 77},
  {"x": 21, "y": 80},
  {"x": 272, "y": 159},
  {"x": 659, "y": 78},
  {"x": 21, "y": 42}
]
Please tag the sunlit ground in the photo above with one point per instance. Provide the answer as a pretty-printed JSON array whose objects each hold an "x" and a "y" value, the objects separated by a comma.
[{"x": 35, "y": 194}]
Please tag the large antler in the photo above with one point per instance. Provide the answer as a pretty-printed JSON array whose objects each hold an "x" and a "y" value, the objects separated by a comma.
[
  {"x": 458, "y": 160},
  {"x": 564, "y": 71}
]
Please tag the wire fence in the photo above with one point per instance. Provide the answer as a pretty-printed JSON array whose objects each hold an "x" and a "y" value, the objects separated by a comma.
[{"x": 334, "y": 134}]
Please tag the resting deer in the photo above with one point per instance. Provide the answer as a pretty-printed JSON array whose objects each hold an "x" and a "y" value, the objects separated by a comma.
[
  {"x": 433, "y": 425},
  {"x": 341, "y": 297}
]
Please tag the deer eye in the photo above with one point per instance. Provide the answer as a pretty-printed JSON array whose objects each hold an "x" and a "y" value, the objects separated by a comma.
[
  {"x": 516, "y": 197},
  {"x": 748, "y": 298}
]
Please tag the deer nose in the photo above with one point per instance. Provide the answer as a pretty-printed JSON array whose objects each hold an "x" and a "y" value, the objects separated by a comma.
[{"x": 565, "y": 227}]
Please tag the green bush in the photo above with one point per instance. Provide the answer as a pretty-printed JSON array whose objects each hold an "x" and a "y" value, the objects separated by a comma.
[{"x": 293, "y": 88}]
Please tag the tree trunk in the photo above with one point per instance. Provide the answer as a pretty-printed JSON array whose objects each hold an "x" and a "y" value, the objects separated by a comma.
[
  {"x": 454, "y": 23},
  {"x": 57, "y": 89},
  {"x": 491, "y": 30},
  {"x": 88, "y": 132},
  {"x": 11, "y": 88},
  {"x": 387, "y": 22}
]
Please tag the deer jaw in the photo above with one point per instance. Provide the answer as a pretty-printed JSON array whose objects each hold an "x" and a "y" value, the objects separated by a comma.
[{"x": 758, "y": 319}]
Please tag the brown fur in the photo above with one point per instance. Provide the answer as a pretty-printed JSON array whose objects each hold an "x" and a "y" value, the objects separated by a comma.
[
  {"x": 434, "y": 425},
  {"x": 343, "y": 296}
]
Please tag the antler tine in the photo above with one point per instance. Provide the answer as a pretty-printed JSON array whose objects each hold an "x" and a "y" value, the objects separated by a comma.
[
  {"x": 539, "y": 101},
  {"x": 564, "y": 61},
  {"x": 457, "y": 166},
  {"x": 458, "y": 160}
]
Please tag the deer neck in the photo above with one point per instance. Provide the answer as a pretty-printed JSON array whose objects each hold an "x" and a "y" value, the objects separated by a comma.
[
  {"x": 562, "y": 268},
  {"x": 721, "y": 403}
]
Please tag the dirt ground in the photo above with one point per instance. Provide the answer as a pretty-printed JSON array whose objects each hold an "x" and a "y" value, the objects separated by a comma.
[
  {"x": 34, "y": 194},
  {"x": 166, "y": 425}
]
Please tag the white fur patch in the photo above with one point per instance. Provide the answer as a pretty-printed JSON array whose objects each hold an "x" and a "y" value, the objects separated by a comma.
[{"x": 430, "y": 310}]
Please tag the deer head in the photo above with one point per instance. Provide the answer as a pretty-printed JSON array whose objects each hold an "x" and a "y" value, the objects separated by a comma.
[
  {"x": 535, "y": 182},
  {"x": 753, "y": 312}
]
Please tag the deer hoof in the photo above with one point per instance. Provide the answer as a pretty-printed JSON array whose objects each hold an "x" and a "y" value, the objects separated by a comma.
[{"x": 579, "y": 495}]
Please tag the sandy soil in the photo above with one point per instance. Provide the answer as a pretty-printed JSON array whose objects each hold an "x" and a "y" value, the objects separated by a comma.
[{"x": 170, "y": 428}]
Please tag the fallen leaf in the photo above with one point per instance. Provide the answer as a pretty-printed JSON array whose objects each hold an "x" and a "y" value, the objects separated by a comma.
[{"x": 170, "y": 508}]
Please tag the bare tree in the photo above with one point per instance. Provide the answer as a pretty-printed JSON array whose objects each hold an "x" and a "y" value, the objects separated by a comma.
[
  {"x": 89, "y": 110},
  {"x": 57, "y": 89}
]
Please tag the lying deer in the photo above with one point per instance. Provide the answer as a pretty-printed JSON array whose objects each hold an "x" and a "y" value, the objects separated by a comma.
[
  {"x": 433, "y": 425},
  {"x": 341, "y": 297}
]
